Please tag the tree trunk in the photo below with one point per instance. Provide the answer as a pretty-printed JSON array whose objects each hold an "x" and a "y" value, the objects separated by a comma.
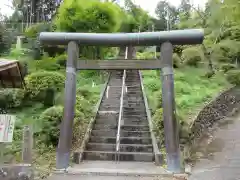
[{"x": 208, "y": 57}]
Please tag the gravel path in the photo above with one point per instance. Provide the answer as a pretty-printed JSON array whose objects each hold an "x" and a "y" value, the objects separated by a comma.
[{"x": 222, "y": 155}]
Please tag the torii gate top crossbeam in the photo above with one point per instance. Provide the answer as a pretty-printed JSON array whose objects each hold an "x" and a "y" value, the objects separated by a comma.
[{"x": 175, "y": 37}]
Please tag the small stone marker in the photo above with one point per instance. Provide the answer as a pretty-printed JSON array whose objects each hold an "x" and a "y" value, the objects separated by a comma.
[{"x": 7, "y": 123}]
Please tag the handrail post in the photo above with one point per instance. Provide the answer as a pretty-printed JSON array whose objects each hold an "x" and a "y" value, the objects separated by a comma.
[
  {"x": 65, "y": 140},
  {"x": 169, "y": 111},
  {"x": 120, "y": 111}
]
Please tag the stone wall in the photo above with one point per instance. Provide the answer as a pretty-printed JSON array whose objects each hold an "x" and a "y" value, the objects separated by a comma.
[
  {"x": 219, "y": 108},
  {"x": 16, "y": 172}
]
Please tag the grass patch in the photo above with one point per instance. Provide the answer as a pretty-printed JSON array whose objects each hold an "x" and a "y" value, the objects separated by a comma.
[{"x": 192, "y": 89}]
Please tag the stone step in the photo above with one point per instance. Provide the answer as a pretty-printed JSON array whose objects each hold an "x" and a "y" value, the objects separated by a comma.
[
  {"x": 123, "y": 140},
  {"x": 130, "y": 114},
  {"x": 123, "y": 147},
  {"x": 108, "y": 117},
  {"x": 124, "y": 127},
  {"x": 123, "y": 156},
  {"x": 135, "y": 128},
  {"x": 137, "y": 123},
  {"x": 125, "y": 121},
  {"x": 113, "y": 133},
  {"x": 134, "y": 109},
  {"x": 134, "y": 118},
  {"x": 108, "y": 113},
  {"x": 109, "y": 108},
  {"x": 143, "y": 115},
  {"x": 104, "y": 127}
]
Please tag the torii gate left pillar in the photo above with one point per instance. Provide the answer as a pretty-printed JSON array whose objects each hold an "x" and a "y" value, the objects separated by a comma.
[{"x": 65, "y": 139}]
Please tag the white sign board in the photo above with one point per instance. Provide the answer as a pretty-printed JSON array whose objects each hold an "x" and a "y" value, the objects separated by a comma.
[{"x": 6, "y": 128}]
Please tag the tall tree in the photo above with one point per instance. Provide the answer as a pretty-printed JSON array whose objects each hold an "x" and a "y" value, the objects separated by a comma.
[{"x": 164, "y": 11}]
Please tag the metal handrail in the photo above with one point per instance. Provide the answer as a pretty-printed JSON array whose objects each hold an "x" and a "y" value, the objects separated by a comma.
[{"x": 120, "y": 111}]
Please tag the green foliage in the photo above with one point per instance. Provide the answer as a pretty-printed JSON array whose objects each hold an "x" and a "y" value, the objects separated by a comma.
[
  {"x": 85, "y": 92},
  {"x": 233, "y": 76},
  {"x": 37, "y": 83},
  {"x": 90, "y": 16},
  {"x": 135, "y": 18},
  {"x": 83, "y": 106},
  {"x": 192, "y": 89},
  {"x": 23, "y": 65},
  {"x": 228, "y": 67},
  {"x": 6, "y": 39},
  {"x": 157, "y": 100},
  {"x": 11, "y": 98},
  {"x": 19, "y": 53},
  {"x": 152, "y": 85},
  {"x": 147, "y": 55},
  {"x": 158, "y": 127},
  {"x": 176, "y": 60},
  {"x": 47, "y": 64},
  {"x": 51, "y": 119},
  {"x": 49, "y": 97},
  {"x": 226, "y": 51},
  {"x": 61, "y": 60},
  {"x": 158, "y": 124},
  {"x": 34, "y": 30},
  {"x": 192, "y": 56}
]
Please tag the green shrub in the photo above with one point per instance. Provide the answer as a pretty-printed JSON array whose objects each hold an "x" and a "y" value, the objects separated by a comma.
[
  {"x": 48, "y": 64},
  {"x": 226, "y": 51},
  {"x": 83, "y": 106},
  {"x": 88, "y": 16},
  {"x": 228, "y": 67},
  {"x": 19, "y": 53},
  {"x": 178, "y": 49},
  {"x": 34, "y": 30},
  {"x": 192, "y": 56},
  {"x": 11, "y": 98},
  {"x": 145, "y": 55},
  {"x": 51, "y": 120},
  {"x": 84, "y": 91},
  {"x": 37, "y": 83},
  {"x": 152, "y": 85},
  {"x": 176, "y": 60},
  {"x": 6, "y": 39},
  {"x": 233, "y": 76},
  {"x": 49, "y": 97},
  {"x": 157, "y": 100},
  {"x": 61, "y": 60},
  {"x": 23, "y": 65},
  {"x": 158, "y": 125}
]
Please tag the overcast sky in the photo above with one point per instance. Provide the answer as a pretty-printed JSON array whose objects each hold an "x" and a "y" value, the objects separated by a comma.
[{"x": 148, "y": 5}]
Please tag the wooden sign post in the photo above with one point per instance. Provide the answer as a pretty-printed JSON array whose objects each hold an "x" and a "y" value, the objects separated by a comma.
[{"x": 6, "y": 132}]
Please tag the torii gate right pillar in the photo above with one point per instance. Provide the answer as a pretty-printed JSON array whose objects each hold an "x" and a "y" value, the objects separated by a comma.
[{"x": 171, "y": 131}]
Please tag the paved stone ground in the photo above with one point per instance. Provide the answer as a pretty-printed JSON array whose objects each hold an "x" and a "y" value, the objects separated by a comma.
[
  {"x": 107, "y": 170},
  {"x": 221, "y": 159},
  {"x": 92, "y": 177}
]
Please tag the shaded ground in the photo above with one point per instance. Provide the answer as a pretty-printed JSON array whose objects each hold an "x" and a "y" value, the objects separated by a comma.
[{"x": 220, "y": 158}]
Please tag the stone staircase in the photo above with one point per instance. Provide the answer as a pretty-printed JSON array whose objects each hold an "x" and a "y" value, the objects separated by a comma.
[{"x": 135, "y": 138}]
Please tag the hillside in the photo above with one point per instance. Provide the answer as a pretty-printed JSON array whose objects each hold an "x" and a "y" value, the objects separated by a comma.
[{"x": 201, "y": 72}]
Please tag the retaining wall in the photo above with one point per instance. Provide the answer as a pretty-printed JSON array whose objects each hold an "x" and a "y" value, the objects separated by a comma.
[{"x": 226, "y": 104}]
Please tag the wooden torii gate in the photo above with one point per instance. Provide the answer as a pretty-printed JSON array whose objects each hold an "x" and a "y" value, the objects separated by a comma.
[{"x": 166, "y": 39}]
